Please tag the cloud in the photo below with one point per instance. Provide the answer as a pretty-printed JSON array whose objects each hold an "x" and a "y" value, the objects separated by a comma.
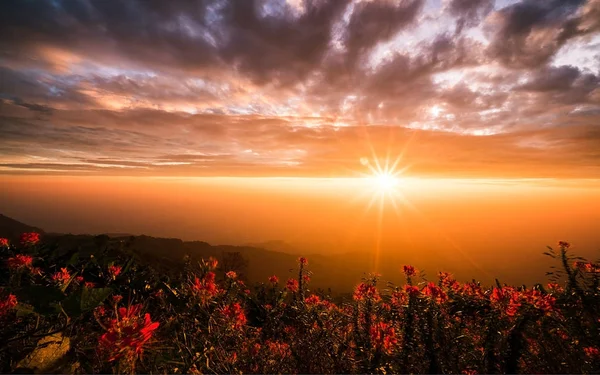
[
  {"x": 262, "y": 87},
  {"x": 469, "y": 12},
  {"x": 528, "y": 34}
]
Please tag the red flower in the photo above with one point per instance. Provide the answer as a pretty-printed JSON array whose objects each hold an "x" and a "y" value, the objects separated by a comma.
[
  {"x": 303, "y": 261},
  {"x": 278, "y": 349},
  {"x": 306, "y": 279},
  {"x": 19, "y": 262},
  {"x": 255, "y": 349},
  {"x": 292, "y": 285},
  {"x": 513, "y": 304},
  {"x": 273, "y": 279},
  {"x": 210, "y": 277},
  {"x": 365, "y": 291},
  {"x": 591, "y": 352},
  {"x": 205, "y": 288},
  {"x": 409, "y": 270},
  {"x": 564, "y": 244},
  {"x": 89, "y": 284},
  {"x": 30, "y": 238},
  {"x": 445, "y": 279},
  {"x": 114, "y": 271},
  {"x": 312, "y": 300},
  {"x": 3, "y": 242},
  {"x": 212, "y": 263},
  {"x": 61, "y": 277},
  {"x": 544, "y": 302},
  {"x": 235, "y": 314},
  {"x": 435, "y": 292},
  {"x": 587, "y": 267},
  {"x": 127, "y": 334},
  {"x": 554, "y": 286},
  {"x": 497, "y": 296},
  {"x": 100, "y": 310},
  {"x": 231, "y": 275},
  {"x": 398, "y": 298},
  {"x": 383, "y": 336},
  {"x": 412, "y": 291},
  {"x": 6, "y": 305},
  {"x": 79, "y": 279},
  {"x": 117, "y": 298}
]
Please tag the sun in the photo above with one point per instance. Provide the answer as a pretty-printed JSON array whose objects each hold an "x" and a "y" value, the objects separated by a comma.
[{"x": 385, "y": 181}]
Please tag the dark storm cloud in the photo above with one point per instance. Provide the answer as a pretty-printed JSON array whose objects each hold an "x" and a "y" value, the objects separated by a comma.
[
  {"x": 529, "y": 33},
  {"x": 562, "y": 85},
  {"x": 469, "y": 12},
  {"x": 376, "y": 21}
]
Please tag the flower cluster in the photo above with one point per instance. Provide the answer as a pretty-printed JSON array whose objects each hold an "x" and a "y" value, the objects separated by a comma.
[
  {"x": 127, "y": 334},
  {"x": 409, "y": 270},
  {"x": 292, "y": 285},
  {"x": 62, "y": 277},
  {"x": 114, "y": 271},
  {"x": 366, "y": 291},
  {"x": 592, "y": 352},
  {"x": 278, "y": 349},
  {"x": 512, "y": 299},
  {"x": 4, "y": 242},
  {"x": 19, "y": 261},
  {"x": 234, "y": 313},
  {"x": 412, "y": 291},
  {"x": 383, "y": 335},
  {"x": 7, "y": 304},
  {"x": 588, "y": 267},
  {"x": 212, "y": 263},
  {"x": 435, "y": 293},
  {"x": 29, "y": 239},
  {"x": 205, "y": 288},
  {"x": 407, "y": 328}
]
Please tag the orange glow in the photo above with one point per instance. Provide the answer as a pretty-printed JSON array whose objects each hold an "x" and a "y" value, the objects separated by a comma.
[{"x": 474, "y": 228}]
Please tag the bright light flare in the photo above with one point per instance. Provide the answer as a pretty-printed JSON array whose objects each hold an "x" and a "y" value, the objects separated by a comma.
[{"x": 385, "y": 181}]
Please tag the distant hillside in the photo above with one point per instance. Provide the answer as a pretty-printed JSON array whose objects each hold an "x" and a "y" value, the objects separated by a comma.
[
  {"x": 338, "y": 272},
  {"x": 276, "y": 245},
  {"x": 117, "y": 235},
  {"x": 12, "y": 229}
]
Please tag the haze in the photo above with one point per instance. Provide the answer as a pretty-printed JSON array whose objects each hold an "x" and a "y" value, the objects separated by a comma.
[{"x": 475, "y": 228}]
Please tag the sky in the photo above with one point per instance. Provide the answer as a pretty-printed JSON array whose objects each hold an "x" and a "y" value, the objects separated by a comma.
[
  {"x": 458, "y": 88},
  {"x": 244, "y": 121}
]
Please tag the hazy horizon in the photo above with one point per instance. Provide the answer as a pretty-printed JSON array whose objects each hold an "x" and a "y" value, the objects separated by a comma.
[{"x": 484, "y": 228}]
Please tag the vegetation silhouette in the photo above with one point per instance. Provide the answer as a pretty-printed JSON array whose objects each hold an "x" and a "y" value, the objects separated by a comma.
[{"x": 85, "y": 304}]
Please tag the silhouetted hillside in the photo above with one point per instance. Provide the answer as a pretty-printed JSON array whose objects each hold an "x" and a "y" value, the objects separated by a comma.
[
  {"x": 338, "y": 272},
  {"x": 12, "y": 229}
]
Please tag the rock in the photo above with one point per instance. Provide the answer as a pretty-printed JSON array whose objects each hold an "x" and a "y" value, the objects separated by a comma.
[{"x": 47, "y": 355}]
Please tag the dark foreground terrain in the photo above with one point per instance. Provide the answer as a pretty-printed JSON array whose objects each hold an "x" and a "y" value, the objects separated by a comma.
[{"x": 85, "y": 304}]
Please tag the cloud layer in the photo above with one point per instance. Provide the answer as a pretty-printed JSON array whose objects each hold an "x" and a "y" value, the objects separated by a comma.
[{"x": 300, "y": 88}]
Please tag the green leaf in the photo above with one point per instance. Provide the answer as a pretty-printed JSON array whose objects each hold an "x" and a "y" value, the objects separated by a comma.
[
  {"x": 72, "y": 305},
  {"x": 42, "y": 298},
  {"x": 74, "y": 259},
  {"x": 128, "y": 265},
  {"x": 24, "y": 309},
  {"x": 92, "y": 298}
]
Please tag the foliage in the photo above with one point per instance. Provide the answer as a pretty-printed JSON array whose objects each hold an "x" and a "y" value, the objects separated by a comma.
[{"x": 124, "y": 316}]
